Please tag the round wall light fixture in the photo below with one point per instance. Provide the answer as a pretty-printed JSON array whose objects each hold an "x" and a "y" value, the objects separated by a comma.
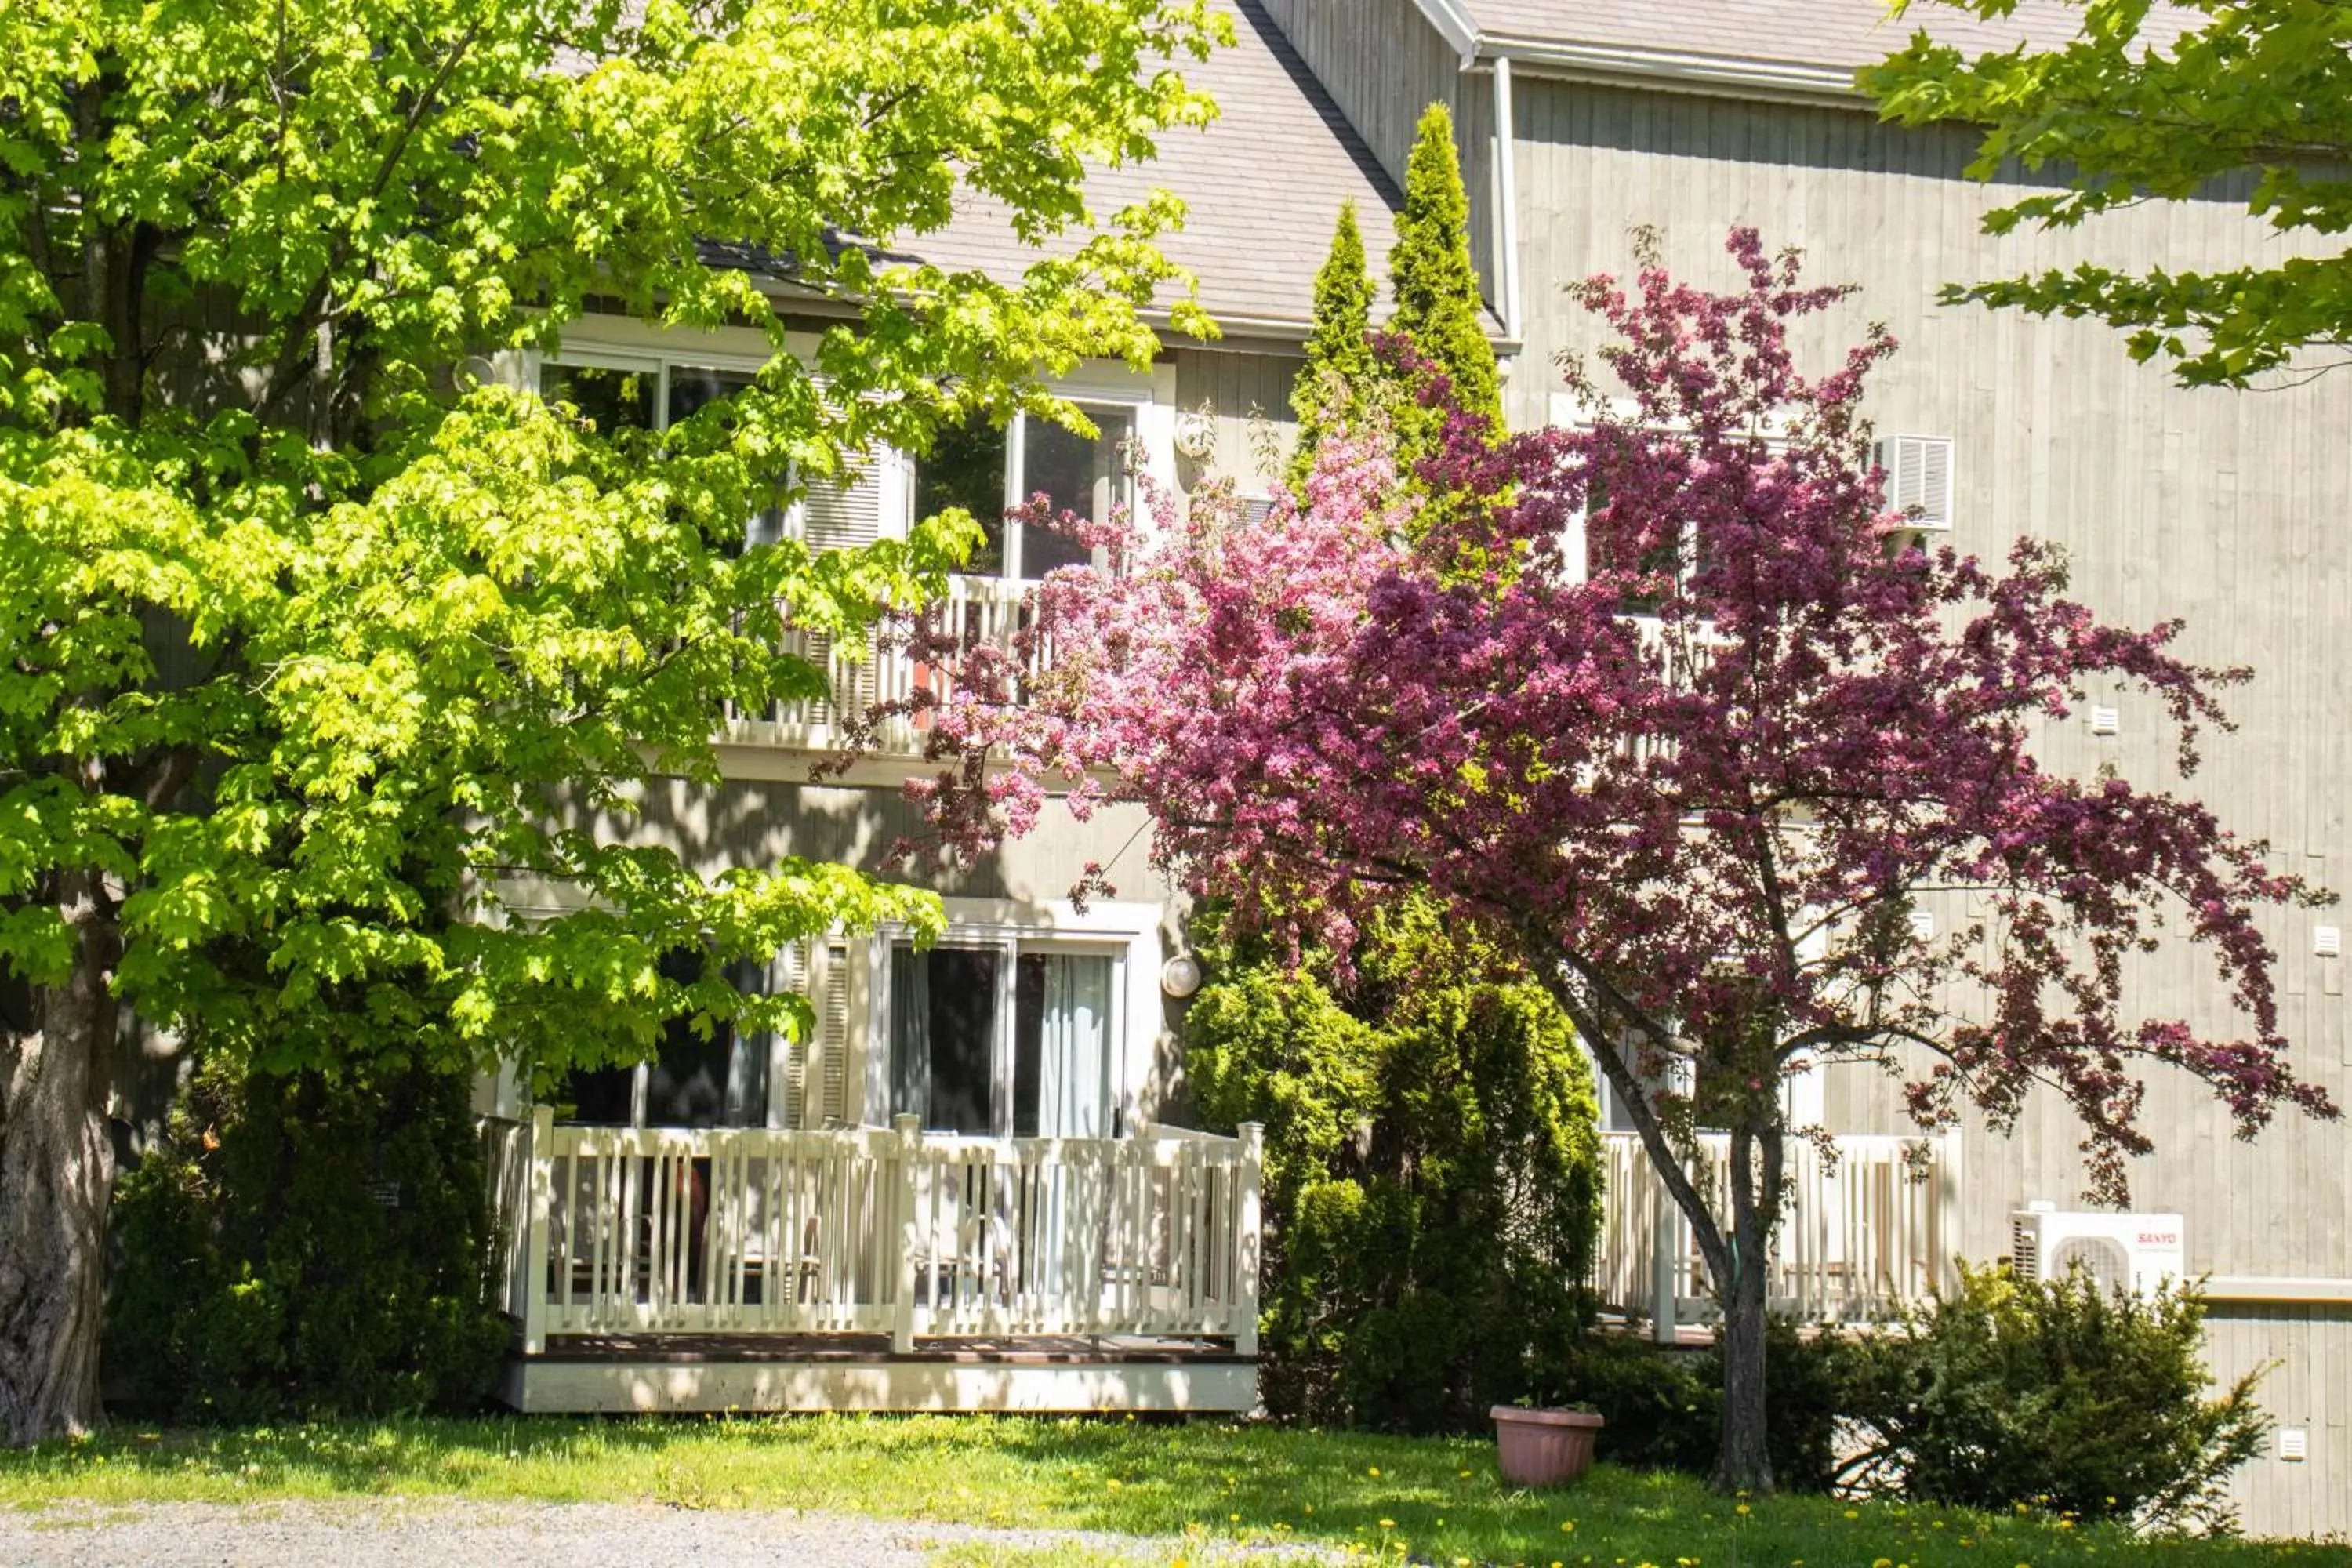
[
  {"x": 1181, "y": 975},
  {"x": 1196, "y": 433}
]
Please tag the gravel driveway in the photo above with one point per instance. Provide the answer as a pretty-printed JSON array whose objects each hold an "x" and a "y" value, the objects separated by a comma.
[{"x": 456, "y": 1533}]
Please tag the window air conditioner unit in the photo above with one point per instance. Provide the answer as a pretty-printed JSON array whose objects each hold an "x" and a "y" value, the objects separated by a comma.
[
  {"x": 2131, "y": 1253},
  {"x": 1919, "y": 478}
]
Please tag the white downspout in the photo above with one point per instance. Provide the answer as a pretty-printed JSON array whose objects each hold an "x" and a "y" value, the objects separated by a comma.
[{"x": 1506, "y": 201}]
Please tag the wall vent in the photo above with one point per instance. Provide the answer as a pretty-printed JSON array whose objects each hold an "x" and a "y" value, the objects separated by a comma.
[{"x": 1919, "y": 478}]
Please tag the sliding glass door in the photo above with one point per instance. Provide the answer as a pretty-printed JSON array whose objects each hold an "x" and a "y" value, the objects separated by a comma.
[{"x": 1004, "y": 1039}]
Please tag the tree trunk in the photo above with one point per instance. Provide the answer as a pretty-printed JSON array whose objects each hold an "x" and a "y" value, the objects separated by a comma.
[
  {"x": 1743, "y": 1462},
  {"x": 57, "y": 1175}
]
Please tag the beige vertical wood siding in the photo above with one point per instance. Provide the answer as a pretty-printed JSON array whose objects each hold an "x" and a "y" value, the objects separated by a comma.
[
  {"x": 760, "y": 822},
  {"x": 1247, "y": 396},
  {"x": 2231, "y": 509},
  {"x": 2308, "y": 1388}
]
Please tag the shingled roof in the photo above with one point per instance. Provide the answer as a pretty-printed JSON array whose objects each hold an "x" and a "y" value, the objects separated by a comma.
[{"x": 1262, "y": 184}]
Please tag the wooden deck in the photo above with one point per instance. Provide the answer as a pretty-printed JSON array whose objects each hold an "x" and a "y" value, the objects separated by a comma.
[{"x": 876, "y": 1270}]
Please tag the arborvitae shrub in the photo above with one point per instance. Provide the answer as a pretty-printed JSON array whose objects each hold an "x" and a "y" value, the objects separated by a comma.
[
  {"x": 1435, "y": 286},
  {"x": 298, "y": 1246},
  {"x": 1433, "y": 1172},
  {"x": 1334, "y": 383}
]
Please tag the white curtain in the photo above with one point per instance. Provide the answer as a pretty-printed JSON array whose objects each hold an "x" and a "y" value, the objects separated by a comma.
[
  {"x": 911, "y": 1032},
  {"x": 1074, "y": 1054}
]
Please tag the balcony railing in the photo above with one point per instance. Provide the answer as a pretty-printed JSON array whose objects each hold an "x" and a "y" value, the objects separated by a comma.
[
  {"x": 868, "y": 1230},
  {"x": 979, "y": 610},
  {"x": 1865, "y": 1231}
]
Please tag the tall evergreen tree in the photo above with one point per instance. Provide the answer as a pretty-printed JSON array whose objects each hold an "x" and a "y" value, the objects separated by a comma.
[
  {"x": 1330, "y": 389},
  {"x": 1430, "y": 275}
]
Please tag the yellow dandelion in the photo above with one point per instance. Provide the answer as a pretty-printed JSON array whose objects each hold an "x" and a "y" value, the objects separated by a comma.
[
  {"x": 1568, "y": 1525},
  {"x": 1388, "y": 1524},
  {"x": 1234, "y": 1517},
  {"x": 1853, "y": 1513},
  {"x": 1372, "y": 1470},
  {"x": 1742, "y": 1509}
]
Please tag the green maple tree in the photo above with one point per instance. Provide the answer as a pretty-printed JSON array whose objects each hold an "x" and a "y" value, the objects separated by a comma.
[{"x": 312, "y": 653}]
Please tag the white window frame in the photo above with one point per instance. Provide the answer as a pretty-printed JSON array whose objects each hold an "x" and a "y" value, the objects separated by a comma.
[
  {"x": 1126, "y": 933},
  {"x": 1568, "y": 414},
  {"x": 1151, "y": 424},
  {"x": 893, "y": 471}
]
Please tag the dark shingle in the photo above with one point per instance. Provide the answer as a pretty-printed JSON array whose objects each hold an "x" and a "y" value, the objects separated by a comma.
[{"x": 1263, "y": 187}]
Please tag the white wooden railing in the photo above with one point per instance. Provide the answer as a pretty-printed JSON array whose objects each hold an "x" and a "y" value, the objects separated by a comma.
[
  {"x": 872, "y": 1230},
  {"x": 1866, "y": 1229},
  {"x": 980, "y": 610}
]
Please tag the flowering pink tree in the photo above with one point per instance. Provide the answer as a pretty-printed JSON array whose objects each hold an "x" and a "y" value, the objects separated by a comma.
[{"x": 1696, "y": 770}]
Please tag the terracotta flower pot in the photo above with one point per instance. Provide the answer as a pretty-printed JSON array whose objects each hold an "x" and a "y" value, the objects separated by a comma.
[{"x": 1543, "y": 1448}]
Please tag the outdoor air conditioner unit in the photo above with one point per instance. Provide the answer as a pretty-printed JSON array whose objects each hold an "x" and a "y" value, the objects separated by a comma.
[
  {"x": 1919, "y": 478},
  {"x": 2132, "y": 1253}
]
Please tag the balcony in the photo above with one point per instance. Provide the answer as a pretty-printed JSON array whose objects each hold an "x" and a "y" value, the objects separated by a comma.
[
  {"x": 1867, "y": 1231},
  {"x": 983, "y": 609}
]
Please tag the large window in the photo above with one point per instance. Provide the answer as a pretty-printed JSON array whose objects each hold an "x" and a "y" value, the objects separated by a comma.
[
  {"x": 734, "y": 1077},
  {"x": 693, "y": 1080},
  {"x": 617, "y": 391},
  {"x": 1004, "y": 1038},
  {"x": 987, "y": 468}
]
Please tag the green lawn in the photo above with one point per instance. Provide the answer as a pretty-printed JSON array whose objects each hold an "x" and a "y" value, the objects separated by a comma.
[{"x": 1423, "y": 1499}]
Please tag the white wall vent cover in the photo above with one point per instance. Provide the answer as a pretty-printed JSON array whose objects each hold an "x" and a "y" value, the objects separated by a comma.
[
  {"x": 1919, "y": 478},
  {"x": 2328, "y": 941},
  {"x": 2134, "y": 1253}
]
